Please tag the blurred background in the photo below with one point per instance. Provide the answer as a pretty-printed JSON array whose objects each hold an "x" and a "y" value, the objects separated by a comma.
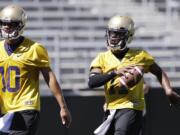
[{"x": 73, "y": 31}]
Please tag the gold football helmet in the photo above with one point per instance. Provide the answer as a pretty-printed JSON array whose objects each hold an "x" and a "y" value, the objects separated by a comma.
[
  {"x": 120, "y": 31},
  {"x": 15, "y": 18}
]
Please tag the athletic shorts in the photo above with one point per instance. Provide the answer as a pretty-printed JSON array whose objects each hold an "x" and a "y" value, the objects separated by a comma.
[
  {"x": 126, "y": 122},
  {"x": 24, "y": 123}
]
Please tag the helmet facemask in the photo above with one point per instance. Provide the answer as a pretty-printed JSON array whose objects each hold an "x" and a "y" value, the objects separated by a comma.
[
  {"x": 117, "y": 39},
  {"x": 11, "y": 29}
]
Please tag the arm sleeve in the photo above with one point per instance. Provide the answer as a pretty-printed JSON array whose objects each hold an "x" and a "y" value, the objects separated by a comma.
[{"x": 97, "y": 80}]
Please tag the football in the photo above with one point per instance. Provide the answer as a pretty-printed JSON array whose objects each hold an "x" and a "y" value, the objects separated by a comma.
[{"x": 132, "y": 77}]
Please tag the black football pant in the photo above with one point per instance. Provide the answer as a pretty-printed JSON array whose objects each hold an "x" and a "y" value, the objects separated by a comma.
[
  {"x": 24, "y": 123},
  {"x": 126, "y": 122}
]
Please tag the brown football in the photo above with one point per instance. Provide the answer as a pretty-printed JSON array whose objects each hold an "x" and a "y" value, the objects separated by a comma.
[{"x": 132, "y": 77}]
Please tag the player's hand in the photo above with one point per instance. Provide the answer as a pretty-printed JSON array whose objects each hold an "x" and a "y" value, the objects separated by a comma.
[
  {"x": 174, "y": 99},
  {"x": 65, "y": 117},
  {"x": 124, "y": 70}
]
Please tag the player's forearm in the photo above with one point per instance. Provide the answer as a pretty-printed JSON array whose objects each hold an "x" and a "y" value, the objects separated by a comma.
[
  {"x": 61, "y": 101},
  {"x": 57, "y": 92},
  {"x": 97, "y": 80},
  {"x": 162, "y": 78},
  {"x": 165, "y": 83}
]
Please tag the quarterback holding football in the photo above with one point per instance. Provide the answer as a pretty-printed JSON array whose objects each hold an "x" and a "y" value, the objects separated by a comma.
[{"x": 120, "y": 69}]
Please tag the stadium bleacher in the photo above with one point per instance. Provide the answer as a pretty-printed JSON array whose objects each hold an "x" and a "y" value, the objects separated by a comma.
[{"x": 73, "y": 32}]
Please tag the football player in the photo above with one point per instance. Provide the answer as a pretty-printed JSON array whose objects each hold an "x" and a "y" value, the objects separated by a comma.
[
  {"x": 21, "y": 61},
  {"x": 108, "y": 66}
]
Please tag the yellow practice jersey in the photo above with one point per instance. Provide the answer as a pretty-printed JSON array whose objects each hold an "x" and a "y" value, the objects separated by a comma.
[
  {"x": 117, "y": 98},
  {"x": 19, "y": 76}
]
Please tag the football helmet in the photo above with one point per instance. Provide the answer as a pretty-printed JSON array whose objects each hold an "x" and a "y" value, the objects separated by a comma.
[
  {"x": 12, "y": 22},
  {"x": 120, "y": 31}
]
